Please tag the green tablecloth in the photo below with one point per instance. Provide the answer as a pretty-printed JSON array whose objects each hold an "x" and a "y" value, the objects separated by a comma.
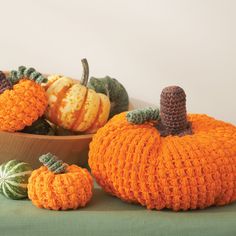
[{"x": 107, "y": 215}]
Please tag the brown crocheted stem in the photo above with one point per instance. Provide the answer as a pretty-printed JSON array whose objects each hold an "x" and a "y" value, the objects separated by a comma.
[{"x": 173, "y": 112}]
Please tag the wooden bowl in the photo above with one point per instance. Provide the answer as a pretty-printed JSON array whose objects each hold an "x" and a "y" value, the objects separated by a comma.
[
  {"x": 71, "y": 149},
  {"x": 28, "y": 147}
]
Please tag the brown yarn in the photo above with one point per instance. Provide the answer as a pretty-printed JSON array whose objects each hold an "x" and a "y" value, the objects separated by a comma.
[{"x": 173, "y": 112}]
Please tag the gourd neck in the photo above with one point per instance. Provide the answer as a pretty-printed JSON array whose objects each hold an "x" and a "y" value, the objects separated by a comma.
[
  {"x": 173, "y": 114},
  {"x": 85, "y": 75}
]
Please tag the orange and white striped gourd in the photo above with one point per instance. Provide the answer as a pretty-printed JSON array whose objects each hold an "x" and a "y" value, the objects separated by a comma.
[{"x": 75, "y": 107}]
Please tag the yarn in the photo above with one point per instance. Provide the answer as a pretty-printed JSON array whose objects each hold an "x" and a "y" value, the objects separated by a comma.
[
  {"x": 29, "y": 73},
  {"x": 22, "y": 105},
  {"x": 173, "y": 112},
  {"x": 140, "y": 116},
  {"x": 5, "y": 83},
  {"x": 59, "y": 191},
  {"x": 180, "y": 172},
  {"x": 54, "y": 165}
]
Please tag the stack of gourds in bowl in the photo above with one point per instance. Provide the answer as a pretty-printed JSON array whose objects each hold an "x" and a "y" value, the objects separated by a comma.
[
  {"x": 57, "y": 114},
  {"x": 158, "y": 158}
]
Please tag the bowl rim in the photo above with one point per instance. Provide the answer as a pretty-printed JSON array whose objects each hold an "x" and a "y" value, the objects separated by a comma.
[{"x": 49, "y": 137}]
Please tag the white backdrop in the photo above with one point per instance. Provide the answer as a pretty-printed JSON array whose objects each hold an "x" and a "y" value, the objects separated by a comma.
[{"x": 145, "y": 44}]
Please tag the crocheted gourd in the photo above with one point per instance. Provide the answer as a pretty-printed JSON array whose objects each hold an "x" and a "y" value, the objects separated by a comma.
[
  {"x": 22, "y": 99},
  {"x": 4, "y": 83},
  {"x": 58, "y": 186},
  {"x": 40, "y": 127},
  {"x": 73, "y": 106},
  {"x": 176, "y": 161},
  {"x": 14, "y": 177},
  {"x": 114, "y": 90}
]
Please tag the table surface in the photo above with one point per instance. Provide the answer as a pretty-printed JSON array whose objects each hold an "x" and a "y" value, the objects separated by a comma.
[{"x": 107, "y": 215}]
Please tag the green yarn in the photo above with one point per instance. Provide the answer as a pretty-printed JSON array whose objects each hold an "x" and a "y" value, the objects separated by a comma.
[
  {"x": 140, "y": 116},
  {"x": 40, "y": 127},
  {"x": 24, "y": 72},
  {"x": 116, "y": 92},
  {"x": 50, "y": 161}
]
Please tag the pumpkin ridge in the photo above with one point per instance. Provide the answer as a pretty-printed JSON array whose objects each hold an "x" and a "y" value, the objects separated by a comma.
[
  {"x": 139, "y": 166},
  {"x": 55, "y": 117},
  {"x": 72, "y": 104},
  {"x": 100, "y": 110},
  {"x": 60, "y": 193},
  {"x": 51, "y": 80},
  {"x": 89, "y": 109},
  {"x": 70, "y": 197},
  {"x": 37, "y": 183},
  {"x": 102, "y": 114},
  {"x": 55, "y": 200},
  {"x": 78, "y": 113}
]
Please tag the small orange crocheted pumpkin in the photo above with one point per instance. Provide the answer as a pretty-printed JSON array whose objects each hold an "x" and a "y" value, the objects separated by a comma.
[
  {"x": 175, "y": 161},
  {"x": 57, "y": 186},
  {"x": 22, "y": 99}
]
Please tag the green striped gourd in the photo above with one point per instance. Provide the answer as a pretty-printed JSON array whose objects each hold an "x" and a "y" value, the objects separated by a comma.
[{"x": 14, "y": 177}]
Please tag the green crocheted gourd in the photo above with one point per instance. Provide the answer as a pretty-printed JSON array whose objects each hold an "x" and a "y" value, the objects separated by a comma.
[
  {"x": 114, "y": 90},
  {"x": 40, "y": 126}
]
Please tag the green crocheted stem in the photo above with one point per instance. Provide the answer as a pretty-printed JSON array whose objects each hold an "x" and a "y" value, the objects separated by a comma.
[
  {"x": 140, "y": 116},
  {"x": 29, "y": 73},
  {"x": 85, "y": 75},
  {"x": 50, "y": 161}
]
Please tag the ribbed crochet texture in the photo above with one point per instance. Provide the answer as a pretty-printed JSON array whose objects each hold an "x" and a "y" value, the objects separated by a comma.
[
  {"x": 140, "y": 116},
  {"x": 22, "y": 105},
  {"x": 69, "y": 190},
  {"x": 29, "y": 73},
  {"x": 173, "y": 112},
  {"x": 53, "y": 164},
  {"x": 136, "y": 164}
]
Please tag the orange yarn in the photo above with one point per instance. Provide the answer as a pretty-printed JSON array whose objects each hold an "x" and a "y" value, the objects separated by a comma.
[
  {"x": 69, "y": 190},
  {"x": 22, "y": 105},
  {"x": 135, "y": 164}
]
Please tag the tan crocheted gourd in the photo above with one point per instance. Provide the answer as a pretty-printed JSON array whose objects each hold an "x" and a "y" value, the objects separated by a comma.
[{"x": 178, "y": 162}]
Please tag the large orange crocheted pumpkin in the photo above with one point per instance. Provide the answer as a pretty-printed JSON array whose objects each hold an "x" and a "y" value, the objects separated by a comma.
[
  {"x": 57, "y": 186},
  {"x": 22, "y": 99},
  {"x": 174, "y": 161}
]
